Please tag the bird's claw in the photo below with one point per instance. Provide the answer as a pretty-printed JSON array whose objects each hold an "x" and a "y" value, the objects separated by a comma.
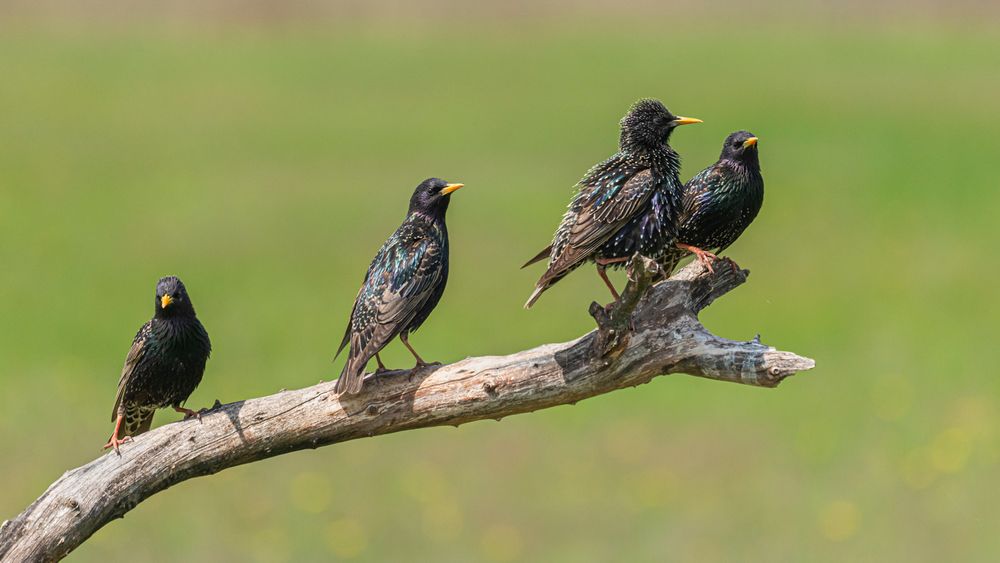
[
  {"x": 706, "y": 259},
  {"x": 630, "y": 272},
  {"x": 189, "y": 414},
  {"x": 114, "y": 442}
]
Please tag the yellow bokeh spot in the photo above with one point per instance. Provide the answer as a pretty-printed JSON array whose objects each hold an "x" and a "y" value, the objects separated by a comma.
[
  {"x": 502, "y": 543},
  {"x": 346, "y": 538},
  {"x": 839, "y": 520},
  {"x": 950, "y": 450},
  {"x": 311, "y": 492}
]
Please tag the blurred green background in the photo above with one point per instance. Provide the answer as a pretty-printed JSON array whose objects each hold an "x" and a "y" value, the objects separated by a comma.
[{"x": 263, "y": 152}]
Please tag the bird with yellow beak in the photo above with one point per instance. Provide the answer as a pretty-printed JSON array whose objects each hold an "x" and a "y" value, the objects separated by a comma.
[
  {"x": 164, "y": 365},
  {"x": 624, "y": 205},
  {"x": 404, "y": 283},
  {"x": 720, "y": 202}
]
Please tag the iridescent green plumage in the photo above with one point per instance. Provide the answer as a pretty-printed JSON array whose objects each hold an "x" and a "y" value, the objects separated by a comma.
[
  {"x": 164, "y": 365},
  {"x": 624, "y": 205},
  {"x": 404, "y": 283},
  {"x": 721, "y": 201}
]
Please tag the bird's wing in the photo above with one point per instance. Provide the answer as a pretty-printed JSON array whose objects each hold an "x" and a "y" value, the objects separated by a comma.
[
  {"x": 598, "y": 211},
  {"x": 135, "y": 355},
  {"x": 401, "y": 279},
  {"x": 347, "y": 332},
  {"x": 704, "y": 207},
  {"x": 545, "y": 253},
  {"x": 697, "y": 193}
]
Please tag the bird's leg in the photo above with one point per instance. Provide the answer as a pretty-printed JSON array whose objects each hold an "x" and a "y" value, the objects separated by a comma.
[
  {"x": 705, "y": 257},
  {"x": 381, "y": 366},
  {"x": 114, "y": 442},
  {"x": 602, "y": 264},
  {"x": 188, "y": 413},
  {"x": 420, "y": 361},
  {"x": 604, "y": 276}
]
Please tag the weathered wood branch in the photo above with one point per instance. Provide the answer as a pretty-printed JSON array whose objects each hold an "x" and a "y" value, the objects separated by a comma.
[{"x": 652, "y": 331}]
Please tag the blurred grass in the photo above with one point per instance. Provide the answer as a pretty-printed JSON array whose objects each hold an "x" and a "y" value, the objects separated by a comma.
[{"x": 266, "y": 166}]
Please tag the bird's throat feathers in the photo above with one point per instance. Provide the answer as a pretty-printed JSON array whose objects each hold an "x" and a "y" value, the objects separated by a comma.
[
  {"x": 432, "y": 217},
  {"x": 746, "y": 167}
]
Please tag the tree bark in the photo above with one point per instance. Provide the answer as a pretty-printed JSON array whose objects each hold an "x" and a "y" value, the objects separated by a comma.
[{"x": 652, "y": 330}]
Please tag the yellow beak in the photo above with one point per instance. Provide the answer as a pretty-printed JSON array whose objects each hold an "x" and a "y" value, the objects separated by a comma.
[
  {"x": 165, "y": 301},
  {"x": 686, "y": 120},
  {"x": 750, "y": 142},
  {"x": 450, "y": 188}
]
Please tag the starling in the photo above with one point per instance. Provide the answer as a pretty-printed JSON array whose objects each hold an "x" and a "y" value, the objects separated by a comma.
[
  {"x": 720, "y": 202},
  {"x": 624, "y": 205},
  {"x": 404, "y": 283},
  {"x": 164, "y": 366}
]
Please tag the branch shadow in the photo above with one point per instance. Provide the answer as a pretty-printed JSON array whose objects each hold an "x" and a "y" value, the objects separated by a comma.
[{"x": 399, "y": 385}]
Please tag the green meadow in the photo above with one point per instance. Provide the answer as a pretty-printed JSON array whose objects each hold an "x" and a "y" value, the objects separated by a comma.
[{"x": 265, "y": 166}]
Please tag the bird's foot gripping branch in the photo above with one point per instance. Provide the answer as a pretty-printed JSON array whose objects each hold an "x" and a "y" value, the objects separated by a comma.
[{"x": 652, "y": 330}]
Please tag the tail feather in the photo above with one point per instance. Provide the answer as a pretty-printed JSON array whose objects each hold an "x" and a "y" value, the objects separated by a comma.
[
  {"x": 557, "y": 271},
  {"x": 670, "y": 260},
  {"x": 344, "y": 341},
  {"x": 145, "y": 424},
  {"x": 137, "y": 420},
  {"x": 535, "y": 295},
  {"x": 545, "y": 253},
  {"x": 351, "y": 379}
]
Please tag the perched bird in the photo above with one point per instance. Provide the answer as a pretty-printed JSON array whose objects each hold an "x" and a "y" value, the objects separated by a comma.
[
  {"x": 404, "y": 283},
  {"x": 164, "y": 366},
  {"x": 624, "y": 205},
  {"x": 720, "y": 202}
]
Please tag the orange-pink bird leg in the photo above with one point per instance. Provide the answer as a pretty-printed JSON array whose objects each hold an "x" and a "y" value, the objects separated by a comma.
[
  {"x": 705, "y": 257},
  {"x": 602, "y": 264},
  {"x": 114, "y": 442}
]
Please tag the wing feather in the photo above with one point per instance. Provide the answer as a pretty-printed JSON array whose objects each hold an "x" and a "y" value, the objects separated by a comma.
[
  {"x": 134, "y": 357},
  {"x": 404, "y": 275},
  {"x": 596, "y": 215}
]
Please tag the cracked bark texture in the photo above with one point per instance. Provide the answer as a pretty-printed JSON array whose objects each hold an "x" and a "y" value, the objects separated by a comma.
[{"x": 654, "y": 330}]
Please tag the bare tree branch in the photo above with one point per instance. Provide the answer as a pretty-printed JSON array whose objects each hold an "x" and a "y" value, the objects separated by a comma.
[{"x": 652, "y": 331}]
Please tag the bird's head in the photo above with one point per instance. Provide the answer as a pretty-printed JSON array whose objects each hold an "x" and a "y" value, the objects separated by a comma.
[
  {"x": 740, "y": 146},
  {"x": 172, "y": 299},
  {"x": 432, "y": 197},
  {"x": 648, "y": 124}
]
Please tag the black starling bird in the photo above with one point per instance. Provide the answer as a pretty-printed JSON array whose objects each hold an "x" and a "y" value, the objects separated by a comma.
[
  {"x": 404, "y": 283},
  {"x": 720, "y": 202},
  {"x": 624, "y": 205},
  {"x": 164, "y": 366}
]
